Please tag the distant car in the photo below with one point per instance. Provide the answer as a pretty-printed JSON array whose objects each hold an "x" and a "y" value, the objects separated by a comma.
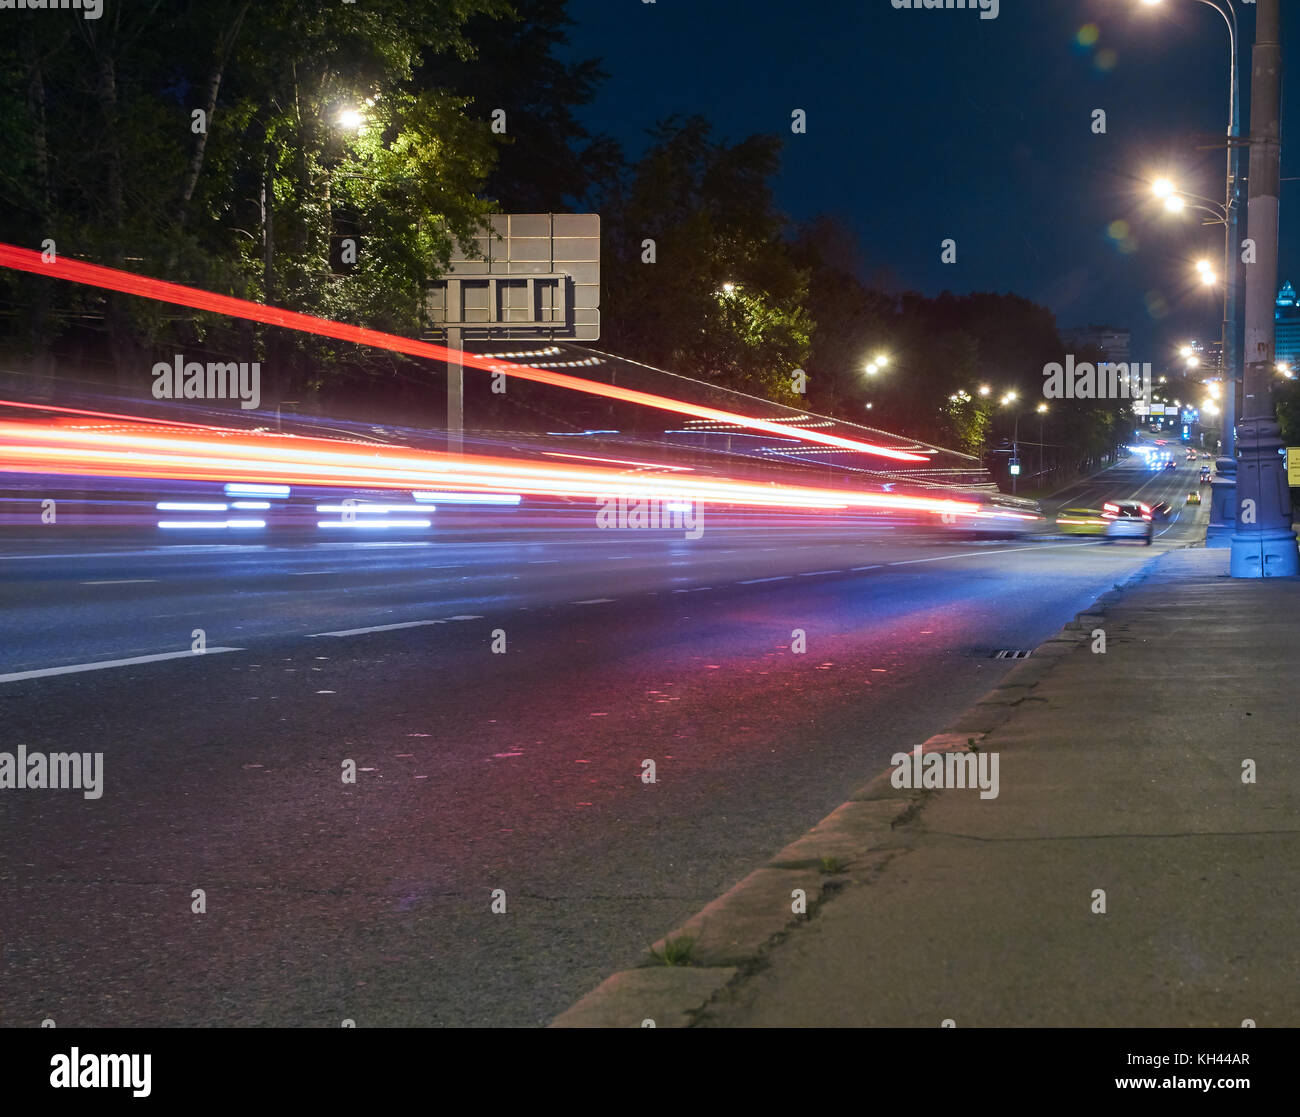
[
  {"x": 1171, "y": 464},
  {"x": 1194, "y": 497},
  {"x": 1080, "y": 521},
  {"x": 1205, "y": 455},
  {"x": 1128, "y": 519},
  {"x": 1161, "y": 510},
  {"x": 1205, "y": 475}
]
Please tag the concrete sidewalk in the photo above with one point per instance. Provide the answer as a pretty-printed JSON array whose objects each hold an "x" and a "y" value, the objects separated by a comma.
[{"x": 1120, "y": 782}]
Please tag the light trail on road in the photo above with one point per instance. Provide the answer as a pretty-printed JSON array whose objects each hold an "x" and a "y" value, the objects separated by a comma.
[
  {"x": 74, "y": 447},
  {"x": 113, "y": 279}
]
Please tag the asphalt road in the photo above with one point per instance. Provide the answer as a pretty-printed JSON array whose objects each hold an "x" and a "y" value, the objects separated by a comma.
[{"x": 516, "y": 769}]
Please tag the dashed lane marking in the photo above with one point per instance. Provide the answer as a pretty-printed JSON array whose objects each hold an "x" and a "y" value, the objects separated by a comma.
[{"x": 76, "y": 668}]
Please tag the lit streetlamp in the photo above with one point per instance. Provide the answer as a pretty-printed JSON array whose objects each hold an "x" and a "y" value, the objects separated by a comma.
[{"x": 1229, "y": 213}]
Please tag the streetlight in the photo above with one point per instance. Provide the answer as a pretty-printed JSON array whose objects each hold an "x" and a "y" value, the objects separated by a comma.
[
  {"x": 1042, "y": 418},
  {"x": 1231, "y": 215},
  {"x": 351, "y": 119},
  {"x": 1011, "y": 397},
  {"x": 1177, "y": 200}
]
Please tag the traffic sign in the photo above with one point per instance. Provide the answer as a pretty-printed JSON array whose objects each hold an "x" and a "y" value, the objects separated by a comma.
[
  {"x": 534, "y": 275},
  {"x": 1293, "y": 466}
]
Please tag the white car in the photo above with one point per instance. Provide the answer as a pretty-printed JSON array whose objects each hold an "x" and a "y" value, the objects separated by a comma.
[{"x": 1128, "y": 519}]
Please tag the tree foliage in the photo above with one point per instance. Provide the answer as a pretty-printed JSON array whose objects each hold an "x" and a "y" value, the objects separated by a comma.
[{"x": 717, "y": 295}]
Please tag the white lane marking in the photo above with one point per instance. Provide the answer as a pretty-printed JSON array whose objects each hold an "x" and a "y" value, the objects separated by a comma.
[
  {"x": 759, "y": 581},
  {"x": 542, "y": 562},
  {"x": 814, "y": 573},
  {"x": 121, "y": 582},
  {"x": 1005, "y": 551},
  {"x": 375, "y": 628},
  {"x": 593, "y": 601},
  {"x": 75, "y": 668},
  {"x": 466, "y": 617},
  {"x": 310, "y": 573},
  {"x": 212, "y": 548},
  {"x": 873, "y": 566}
]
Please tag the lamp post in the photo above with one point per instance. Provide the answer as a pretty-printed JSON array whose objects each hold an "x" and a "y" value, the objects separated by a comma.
[
  {"x": 1042, "y": 418},
  {"x": 1231, "y": 217},
  {"x": 1011, "y": 397},
  {"x": 1041, "y": 411}
]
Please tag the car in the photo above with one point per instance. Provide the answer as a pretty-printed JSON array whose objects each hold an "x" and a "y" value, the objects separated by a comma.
[
  {"x": 1128, "y": 519},
  {"x": 1194, "y": 497},
  {"x": 1171, "y": 464},
  {"x": 1080, "y": 521},
  {"x": 1161, "y": 510},
  {"x": 1205, "y": 455},
  {"x": 1205, "y": 475}
]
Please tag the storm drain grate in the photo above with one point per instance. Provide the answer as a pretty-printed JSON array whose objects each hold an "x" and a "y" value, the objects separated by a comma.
[{"x": 1012, "y": 653}]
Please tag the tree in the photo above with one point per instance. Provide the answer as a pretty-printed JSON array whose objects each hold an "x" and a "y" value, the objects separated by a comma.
[
  {"x": 854, "y": 322},
  {"x": 547, "y": 162},
  {"x": 717, "y": 295},
  {"x": 198, "y": 142}
]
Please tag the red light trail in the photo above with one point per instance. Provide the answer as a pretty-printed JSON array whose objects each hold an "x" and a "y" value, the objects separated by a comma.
[
  {"x": 116, "y": 446},
  {"x": 112, "y": 279}
]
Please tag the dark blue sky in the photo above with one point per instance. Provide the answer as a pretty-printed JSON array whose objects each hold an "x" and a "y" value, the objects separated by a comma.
[{"x": 931, "y": 124}]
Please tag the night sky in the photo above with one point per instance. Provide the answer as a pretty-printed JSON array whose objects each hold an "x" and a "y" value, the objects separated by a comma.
[{"x": 931, "y": 124}]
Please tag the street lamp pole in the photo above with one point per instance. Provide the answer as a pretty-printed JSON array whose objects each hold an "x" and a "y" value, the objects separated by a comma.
[
  {"x": 1263, "y": 543},
  {"x": 1042, "y": 418},
  {"x": 1231, "y": 260},
  {"x": 1231, "y": 220},
  {"x": 1015, "y": 452}
]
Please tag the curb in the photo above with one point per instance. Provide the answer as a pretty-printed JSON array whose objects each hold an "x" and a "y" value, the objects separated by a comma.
[{"x": 851, "y": 845}]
